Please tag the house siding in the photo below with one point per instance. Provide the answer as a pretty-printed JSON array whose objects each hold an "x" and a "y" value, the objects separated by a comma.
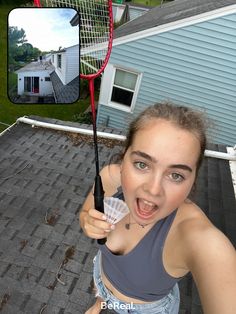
[
  {"x": 193, "y": 65},
  {"x": 61, "y": 71},
  {"x": 69, "y": 64},
  {"x": 45, "y": 87},
  {"x": 72, "y": 57}
]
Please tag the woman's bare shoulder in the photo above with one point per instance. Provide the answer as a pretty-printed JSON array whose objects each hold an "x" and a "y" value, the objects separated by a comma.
[
  {"x": 211, "y": 258},
  {"x": 197, "y": 231},
  {"x": 191, "y": 215}
]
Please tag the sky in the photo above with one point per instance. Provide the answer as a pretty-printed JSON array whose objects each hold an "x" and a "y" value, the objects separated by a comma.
[{"x": 46, "y": 28}]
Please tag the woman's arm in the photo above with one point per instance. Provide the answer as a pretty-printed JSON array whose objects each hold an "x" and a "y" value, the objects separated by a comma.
[{"x": 212, "y": 262}]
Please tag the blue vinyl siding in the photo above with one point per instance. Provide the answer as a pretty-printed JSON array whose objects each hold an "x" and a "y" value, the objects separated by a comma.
[{"x": 193, "y": 65}]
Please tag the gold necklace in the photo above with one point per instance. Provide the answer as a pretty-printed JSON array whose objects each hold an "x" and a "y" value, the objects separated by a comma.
[{"x": 127, "y": 225}]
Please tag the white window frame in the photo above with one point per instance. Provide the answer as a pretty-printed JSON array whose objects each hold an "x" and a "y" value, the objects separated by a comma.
[{"x": 107, "y": 88}]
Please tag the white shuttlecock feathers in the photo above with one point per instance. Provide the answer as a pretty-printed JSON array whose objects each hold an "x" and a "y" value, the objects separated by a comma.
[{"x": 115, "y": 209}]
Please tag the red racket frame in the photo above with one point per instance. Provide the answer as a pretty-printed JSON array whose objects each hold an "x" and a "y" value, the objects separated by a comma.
[{"x": 98, "y": 187}]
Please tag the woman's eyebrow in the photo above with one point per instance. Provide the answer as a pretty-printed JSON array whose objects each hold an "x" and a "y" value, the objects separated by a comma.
[
  {"x": 183, "y": 167},
  {"x": 154, "y": 160},
  {"x": 144, "y": 155}
]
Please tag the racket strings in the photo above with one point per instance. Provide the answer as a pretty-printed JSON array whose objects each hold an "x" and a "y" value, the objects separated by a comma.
[
  {"x": 61, "y": 3},
  {"x": 95, "y": 25},
  {"x": 94, "y": 35}
]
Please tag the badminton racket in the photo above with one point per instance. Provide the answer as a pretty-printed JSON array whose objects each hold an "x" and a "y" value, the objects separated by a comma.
[
  {"x": 37, "y": 3},
  {"x": 96, "y": 33}
]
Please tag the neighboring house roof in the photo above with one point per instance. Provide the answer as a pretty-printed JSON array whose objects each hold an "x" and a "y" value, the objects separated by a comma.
[
  {"x": 170, "y": 12},
  {"x": 36, "y": 66},
  {"x": 45, "y": 176},
  {"x": 65, "y": 49},
  {"x": 135, "y": 5},
  {"x": 59, "y": 51},
  {"x": 65, "y": 94}
]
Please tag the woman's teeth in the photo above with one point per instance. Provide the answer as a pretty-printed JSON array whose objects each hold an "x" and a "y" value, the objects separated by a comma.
[{"x": 146, "y": 207}]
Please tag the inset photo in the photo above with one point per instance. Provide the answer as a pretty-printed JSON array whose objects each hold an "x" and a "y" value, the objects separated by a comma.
[{"x": 43, "y": 56}]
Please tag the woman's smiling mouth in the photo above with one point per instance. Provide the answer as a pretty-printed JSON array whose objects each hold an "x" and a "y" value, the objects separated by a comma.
[{"x": 145, "y": 209}]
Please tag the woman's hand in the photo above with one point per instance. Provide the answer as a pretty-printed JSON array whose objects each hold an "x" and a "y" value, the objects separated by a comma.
[{"x": 94, "y": 224}]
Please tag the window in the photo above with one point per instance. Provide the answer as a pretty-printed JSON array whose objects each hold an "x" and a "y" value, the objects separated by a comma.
[
  {"x": 47, "y": 79},
  {"x": 52, "y": 58},
  {"x": 59, "y": 61},
  {"x": 124, "y": 87},
  {"x": 31, "y": 84}
]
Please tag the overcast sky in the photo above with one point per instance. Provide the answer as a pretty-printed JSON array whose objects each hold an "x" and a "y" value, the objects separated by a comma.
[{"x": 46, "y": 28}]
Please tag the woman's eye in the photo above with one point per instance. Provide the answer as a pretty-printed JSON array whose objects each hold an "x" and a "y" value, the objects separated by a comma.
[
  {"x": 177, "y": 177},
  {"x": 140, "y": 165}
]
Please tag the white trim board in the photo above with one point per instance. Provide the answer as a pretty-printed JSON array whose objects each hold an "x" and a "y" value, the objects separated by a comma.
[{"x": 232, "y": 165}]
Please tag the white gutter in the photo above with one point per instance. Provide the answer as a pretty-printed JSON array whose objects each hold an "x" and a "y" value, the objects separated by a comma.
[
  {"x": 208, "y": 153},
  {"x": 4, "y": 123},
  {"x": 232, "y": 165},
  {"x": 228, "y": 156},
  {"x": 69, "y": 128},
  {"x": 7, "y": 129}
]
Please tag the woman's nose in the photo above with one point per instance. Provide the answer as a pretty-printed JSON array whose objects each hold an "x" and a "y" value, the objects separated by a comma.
[{"x": 154, "y": 185}]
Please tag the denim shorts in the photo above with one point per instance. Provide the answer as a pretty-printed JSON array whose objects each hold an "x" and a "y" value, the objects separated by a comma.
[{"x": 167, "y": 305}]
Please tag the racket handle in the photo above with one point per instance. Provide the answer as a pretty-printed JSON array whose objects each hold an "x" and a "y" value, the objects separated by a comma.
[
  {"x": 98, "y": 200},
  {"x": 102, "y": 241}
]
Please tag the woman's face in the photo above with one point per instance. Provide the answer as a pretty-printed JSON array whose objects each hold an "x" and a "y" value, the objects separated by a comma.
[{"x": 158, "y": 170}]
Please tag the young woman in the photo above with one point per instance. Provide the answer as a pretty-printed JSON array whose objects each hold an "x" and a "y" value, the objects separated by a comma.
[{"x": 165, "y": 235}]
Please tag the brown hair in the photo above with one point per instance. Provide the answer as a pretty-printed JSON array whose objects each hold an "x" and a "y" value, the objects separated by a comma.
[{"x": 181, "y": 116}]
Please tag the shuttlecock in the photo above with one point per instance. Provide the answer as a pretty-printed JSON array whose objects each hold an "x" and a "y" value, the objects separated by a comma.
[{"x": 115, "y": 209}]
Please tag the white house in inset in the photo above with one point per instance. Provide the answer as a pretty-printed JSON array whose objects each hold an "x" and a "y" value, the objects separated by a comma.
[
  {"x": 34, "y": 79},
  {"x": 55, "y": 74},
  {"x": 66, "y": 63},
  {"x": 65, "y": 78}
]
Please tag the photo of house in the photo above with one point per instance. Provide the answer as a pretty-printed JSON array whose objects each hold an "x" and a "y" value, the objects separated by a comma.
[
  {"x": 65, "y": 77},
  {"x": 53, "y": 78},
  {"x": 44, "y": 74},
  {"x": 180, "y": 51},
  {"x": 183, "y": 51},
  {"x": 34, "y": 80}
]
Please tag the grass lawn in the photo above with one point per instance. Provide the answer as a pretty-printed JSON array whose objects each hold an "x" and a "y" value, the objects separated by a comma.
[
  {"x": 9, "y": 112},
  {"x": 12, "y": 84}
]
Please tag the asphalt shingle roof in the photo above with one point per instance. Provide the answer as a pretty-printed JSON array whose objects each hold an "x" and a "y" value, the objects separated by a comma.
[
  {"x": 170, "y": 12},
  {"x": 65, "y": 94},
  {"x": 45, "y": 176}
]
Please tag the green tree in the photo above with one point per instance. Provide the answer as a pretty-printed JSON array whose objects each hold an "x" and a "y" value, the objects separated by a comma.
[
  {"x": 15, "y": 2},
  {"x": 15, "y": 38},
  {"x": 19, "y": 49}
]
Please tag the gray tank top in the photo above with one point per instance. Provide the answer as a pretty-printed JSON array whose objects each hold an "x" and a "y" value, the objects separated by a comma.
[{"x": 140, "y": 274}]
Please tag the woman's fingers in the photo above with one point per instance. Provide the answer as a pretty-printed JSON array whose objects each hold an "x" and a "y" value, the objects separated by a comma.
[{"x": 96, "y": 225}]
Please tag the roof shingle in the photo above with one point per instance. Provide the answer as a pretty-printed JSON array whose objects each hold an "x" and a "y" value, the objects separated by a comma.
[
  {"x": 170, "y": 12},
  {"x": 45, "y": 176},
  {"x": 65, "y": 94}
]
